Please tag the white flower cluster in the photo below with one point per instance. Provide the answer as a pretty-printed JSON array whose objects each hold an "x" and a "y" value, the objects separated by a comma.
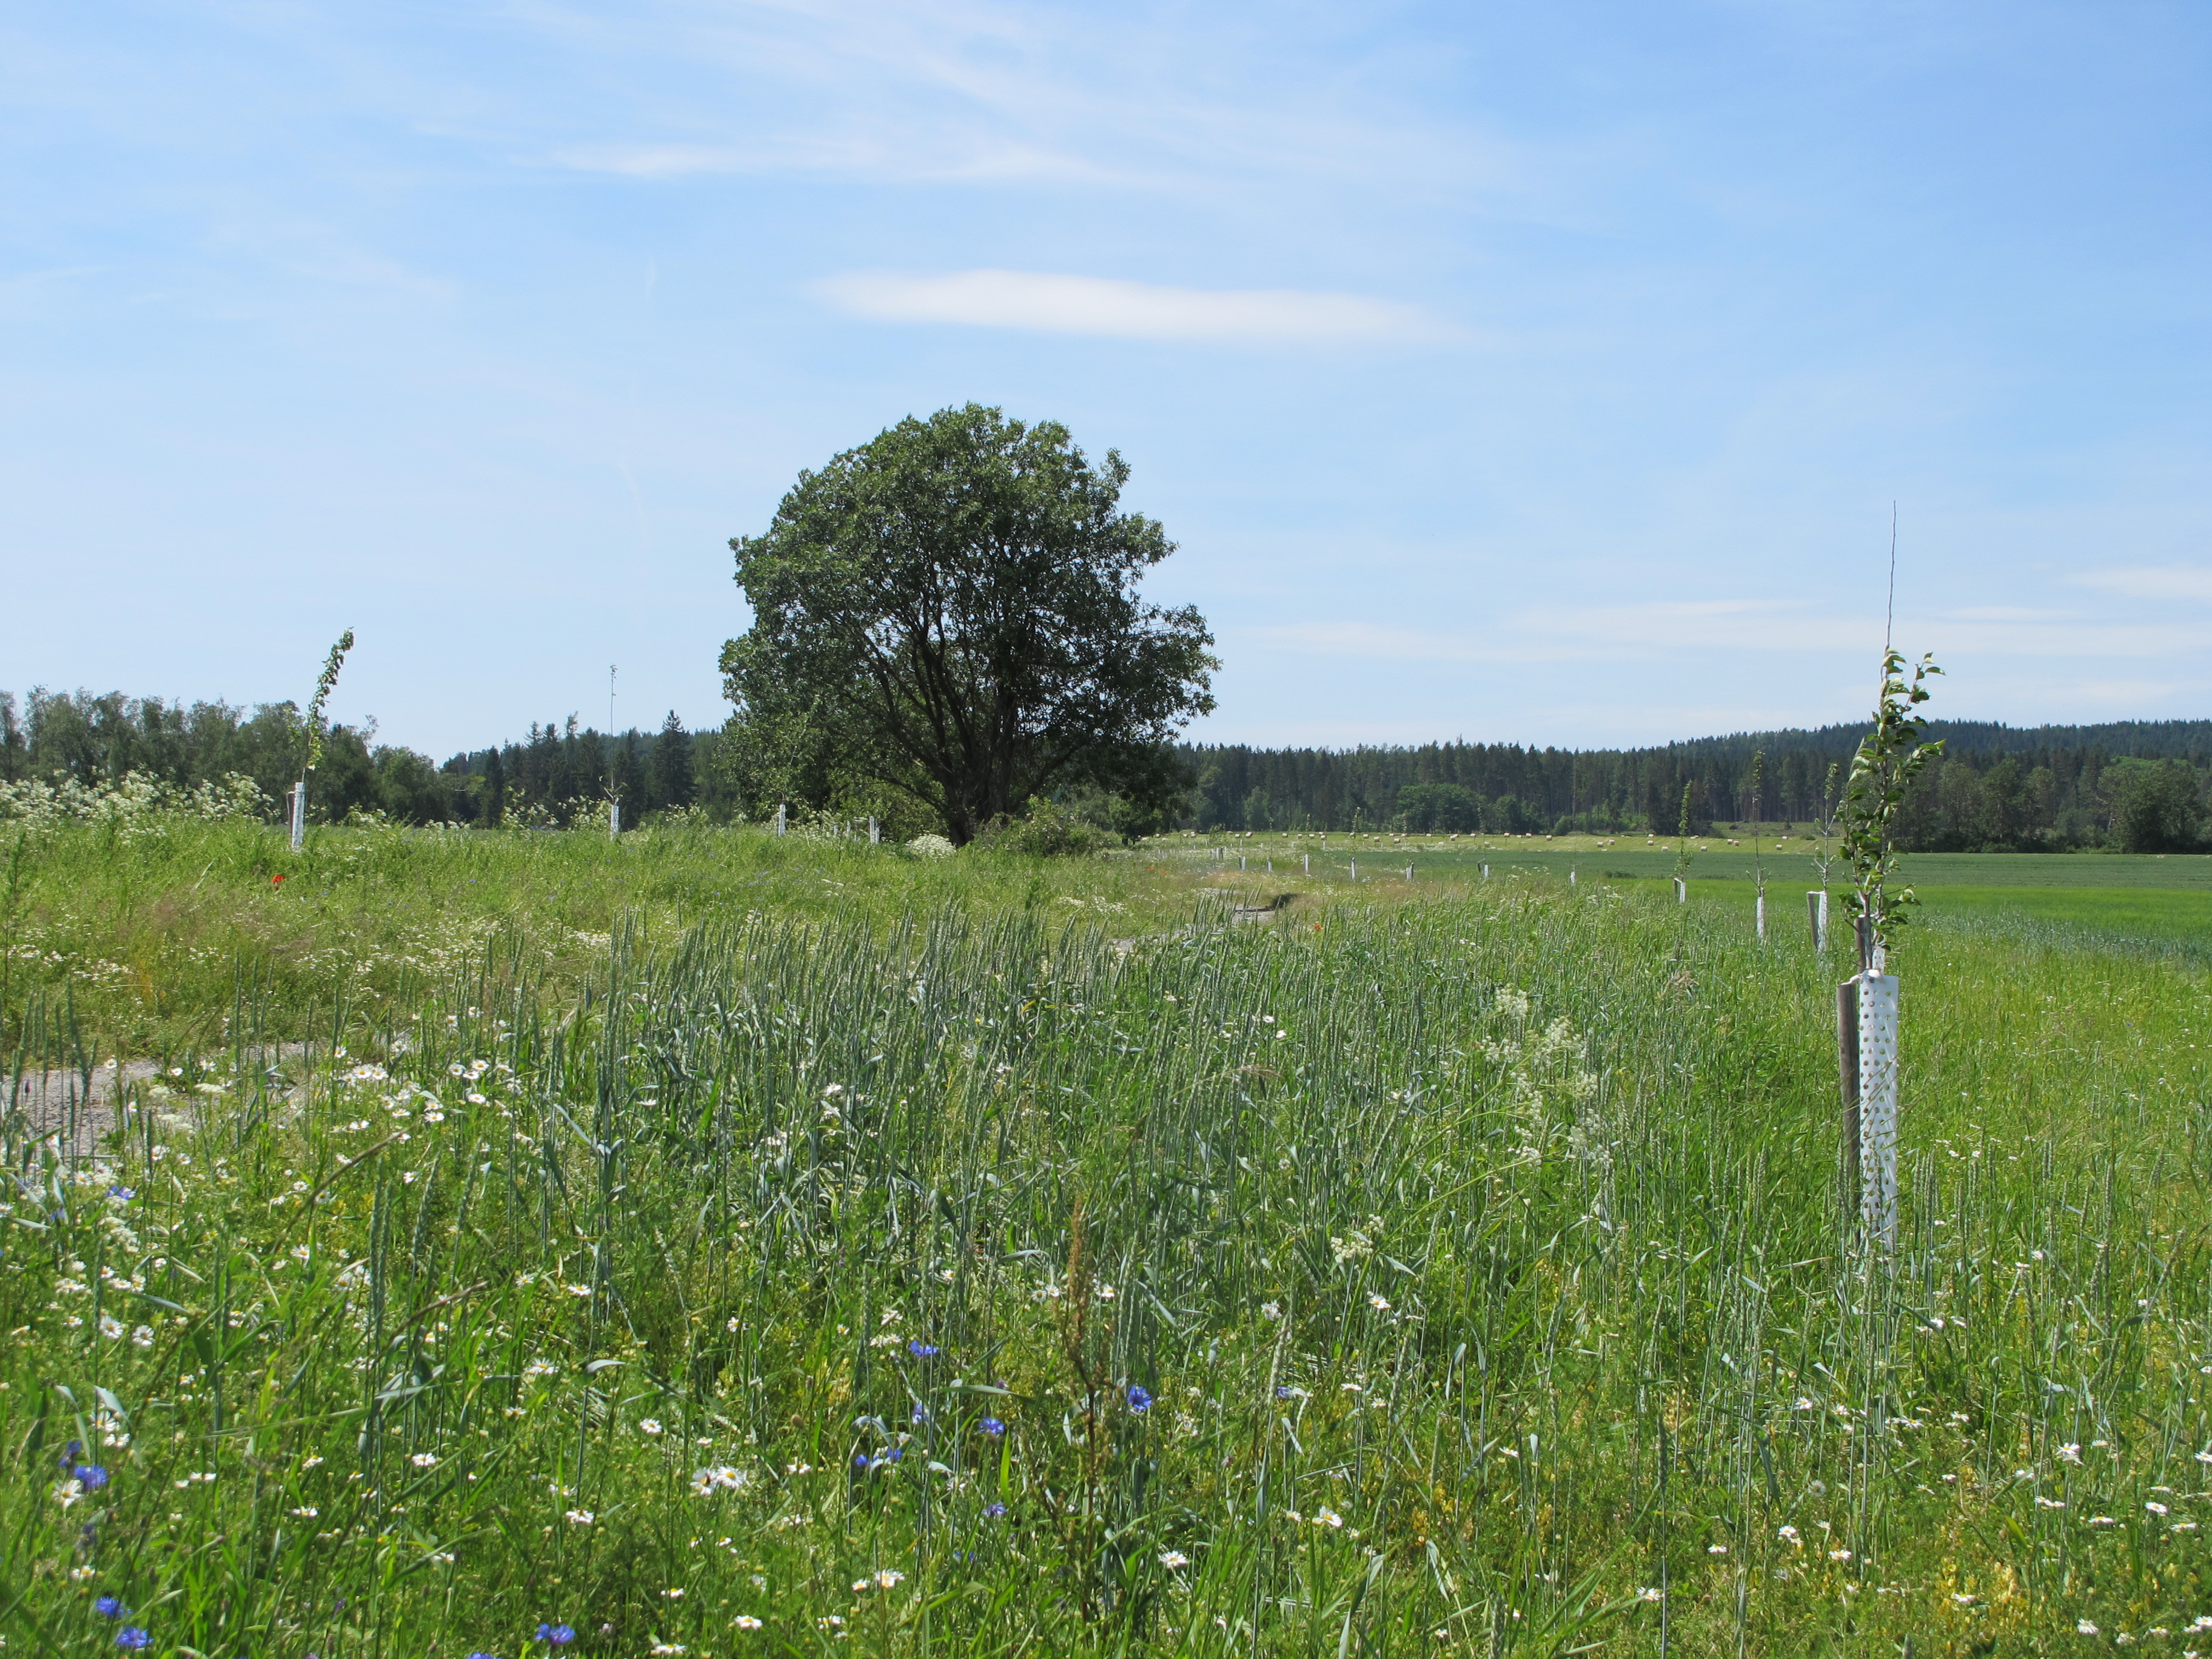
[
  {"x": 1548, "y": 1085},
  {"x": 135, "y": 807},
  {"x": 1358, "y": 1244}
]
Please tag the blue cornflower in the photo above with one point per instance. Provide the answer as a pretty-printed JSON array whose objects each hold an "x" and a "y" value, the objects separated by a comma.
[
  {"x": 1284, "y": 1391},
  {"x": 109, "y": 1608},
  {"x": 124, "y": 1193},
  {"x": 131, "y": 1637},
  {"x": 484, "y": 1656},
  {"x": 859, "y": 1459},
  {"x": 1139, "y": 1400},
  {"x": 991, "y": 1426},
  {"x": 70, "y": 1451},
  {"x": 921, "y": 1413},
  {"x": 90, "y": 1476},
  {"x": 921, "y": 1350},
  {"x": 995, "y": 1510},
  {"x": 559, "y": 1635}
]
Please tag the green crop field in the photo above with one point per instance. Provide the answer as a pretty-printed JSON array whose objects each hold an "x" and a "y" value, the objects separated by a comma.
[
  {"x": 1380, "y": 857},
  {"x": 711, "y": 1245},
  {"x": 2150, "y": 899}
]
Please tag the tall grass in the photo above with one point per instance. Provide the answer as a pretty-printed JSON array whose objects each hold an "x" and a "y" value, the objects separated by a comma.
[
  {"x": 1462, "y": 1277},
  {"x": 131, "y": 930}
]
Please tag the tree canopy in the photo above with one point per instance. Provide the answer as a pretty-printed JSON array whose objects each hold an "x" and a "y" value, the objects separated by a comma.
[{"x": 949, "y": 613}]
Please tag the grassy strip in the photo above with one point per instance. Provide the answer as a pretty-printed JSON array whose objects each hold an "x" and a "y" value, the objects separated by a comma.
[{"x": 149, "y": 943}]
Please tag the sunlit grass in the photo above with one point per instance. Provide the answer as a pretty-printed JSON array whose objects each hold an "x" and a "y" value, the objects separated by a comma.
[{"x": 136, "y": 941}]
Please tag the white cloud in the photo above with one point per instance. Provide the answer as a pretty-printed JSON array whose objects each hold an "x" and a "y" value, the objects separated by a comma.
[
  {"x": 660, "y": 160},
  {"x": 982, "y": 90},
  {"x": 2172, "y": 581},
  {"x": 2135, "y": 694},
  {"x": 1367, "y": 640},
  {"x": 1043, "y": 302},
  {"x": 1701, "y": 625},
  {"x": 1715, "y": 628},
  {"x": 856, "y": 153}
]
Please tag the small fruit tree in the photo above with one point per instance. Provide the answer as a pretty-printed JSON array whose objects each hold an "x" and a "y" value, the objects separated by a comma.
[
  {"x": 310, "y": 724},
  {"x": 1889, "y": 758}
]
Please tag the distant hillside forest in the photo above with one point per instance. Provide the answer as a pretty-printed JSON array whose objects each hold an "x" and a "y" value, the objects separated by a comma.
[
  {"x": 556, "y": 773},
  {"x": 2138, "y": 785}
]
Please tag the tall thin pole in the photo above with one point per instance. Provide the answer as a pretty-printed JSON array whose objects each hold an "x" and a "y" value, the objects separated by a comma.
[{"x": 1889, "y": 618}]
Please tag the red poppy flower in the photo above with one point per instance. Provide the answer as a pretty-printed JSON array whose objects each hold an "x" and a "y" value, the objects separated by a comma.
[{"x": 277, "y": 880}]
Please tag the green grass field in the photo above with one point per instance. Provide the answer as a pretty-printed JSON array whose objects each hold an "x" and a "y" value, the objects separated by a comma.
[
  {"x": 725, "y": 1247},
  {"x": 2153, "y": 900},
  {"x": 1379, "y": 856}
]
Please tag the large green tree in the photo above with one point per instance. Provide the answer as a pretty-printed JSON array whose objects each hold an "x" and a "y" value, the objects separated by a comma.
[
  {"x": 950, "y": 611},
  {"x": 2154, "y": 805}
]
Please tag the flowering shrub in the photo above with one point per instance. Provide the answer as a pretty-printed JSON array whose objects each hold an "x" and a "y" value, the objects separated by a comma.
[{"x": 136, "y": 805}]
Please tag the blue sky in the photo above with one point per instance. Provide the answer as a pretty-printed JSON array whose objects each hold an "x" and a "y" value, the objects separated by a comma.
[{"x": 1541, "y": 373}]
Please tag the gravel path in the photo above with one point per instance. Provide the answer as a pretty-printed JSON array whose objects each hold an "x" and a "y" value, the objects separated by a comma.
[{"x": 59, "y": 1103}]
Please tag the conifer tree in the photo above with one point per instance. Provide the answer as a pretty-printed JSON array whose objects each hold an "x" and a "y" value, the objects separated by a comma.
[{"x": 673, "y": 782}]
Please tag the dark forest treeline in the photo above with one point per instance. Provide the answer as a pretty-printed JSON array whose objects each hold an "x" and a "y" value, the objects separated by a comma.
[
  {"x": 2141, "y": 784},
  {"x": 556, "y": 773},
  {"x": 2138, "y": 785}
]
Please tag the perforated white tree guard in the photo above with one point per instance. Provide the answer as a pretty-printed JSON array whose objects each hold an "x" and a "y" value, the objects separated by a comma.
[{"x": 1878, "y": 1033}]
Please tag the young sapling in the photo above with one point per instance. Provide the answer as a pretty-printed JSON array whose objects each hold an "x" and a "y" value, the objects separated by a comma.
[
  {"x": 311, "y": 724},
  {"x": 1889, "y": 758}
]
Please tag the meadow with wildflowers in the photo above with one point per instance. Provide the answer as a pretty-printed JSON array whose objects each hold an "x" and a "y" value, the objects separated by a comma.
[
  {"x": 887, "y": 1255},
  {"x": 129, "y": 924}
]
